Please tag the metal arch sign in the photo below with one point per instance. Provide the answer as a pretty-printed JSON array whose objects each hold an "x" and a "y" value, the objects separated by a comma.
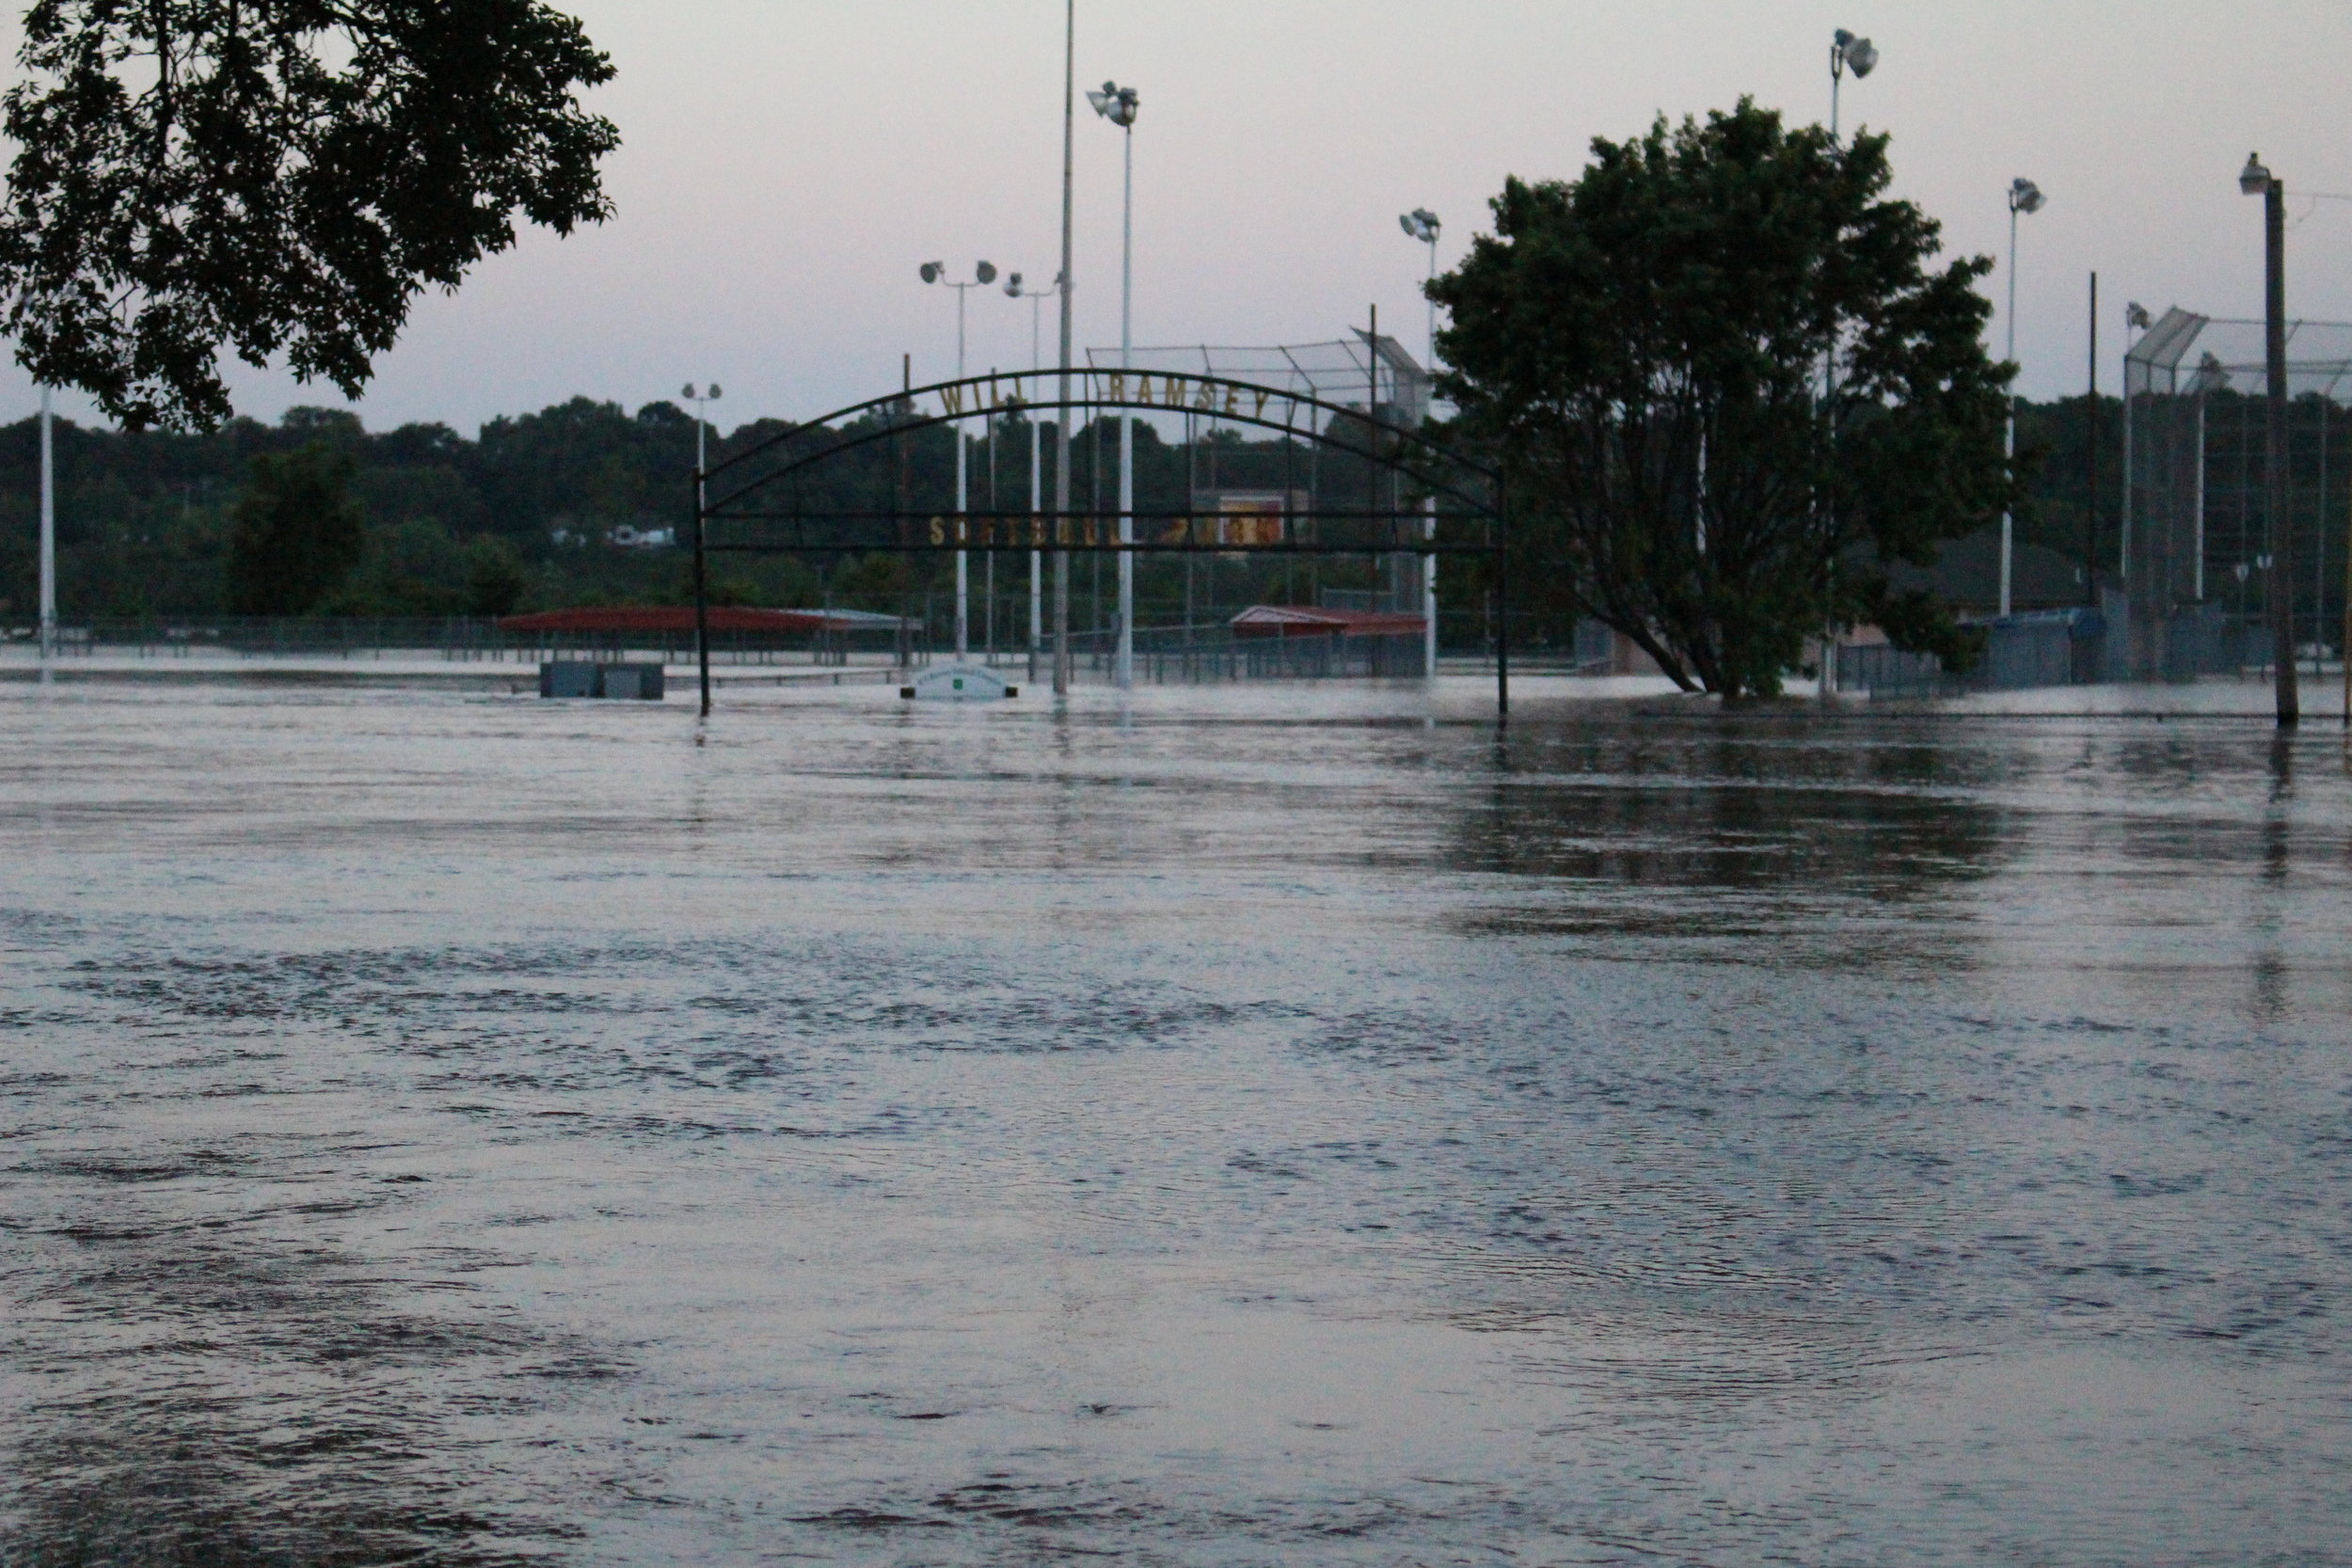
[
  {"x": 1430, "y": 463},
  {"x": 1246, "y": 402}
]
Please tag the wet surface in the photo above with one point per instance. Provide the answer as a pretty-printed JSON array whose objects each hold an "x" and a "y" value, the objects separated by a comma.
[{"x": 1270, "y": 1128}]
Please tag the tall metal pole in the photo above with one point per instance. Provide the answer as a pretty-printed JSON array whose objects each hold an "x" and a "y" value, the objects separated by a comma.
[
  {"x": 1432, "y": 304},
  {"x": 2009, "y": 436},
  {"x": 1061, "y": 443},
  {"x": 2091, "y": 455},
  {"x": 702, "y": 594},
  {"x": 2282, "y": 583},
  {"x": 48, "y": 537},
  {"x": 2158, "y": 594},
  {"x": 1429, "y": 505},
  {"x": 963, "y": 567},
  {"x": 1126, "y": 662},
  {"x": 1037, "y": 489}
]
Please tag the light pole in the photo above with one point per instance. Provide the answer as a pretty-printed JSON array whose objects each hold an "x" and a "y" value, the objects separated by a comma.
[
  {"x": 2023, "y": 197},
  {"x": 1037, "y": 467},
  {"x": 982, "y": 273},
  {"x": 1118, "y": 105},
  {"x": 1421, "y": 224},
  {"x": 2279, "y": 579},
  {"x": 2135, "y": 319},
  {"x": 710, "y": 394},
  {"x": 1061, "y": 443},
  {"x": 1846, "y": 52},
  {"x": 48, "y": 540}
]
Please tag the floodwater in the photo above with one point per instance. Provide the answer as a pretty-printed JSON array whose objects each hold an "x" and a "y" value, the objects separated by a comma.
[{"x": 1268, "y": 1127}]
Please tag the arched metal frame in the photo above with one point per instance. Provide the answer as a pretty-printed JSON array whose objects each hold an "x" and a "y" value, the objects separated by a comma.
[{"x": 1409, "y": 453}]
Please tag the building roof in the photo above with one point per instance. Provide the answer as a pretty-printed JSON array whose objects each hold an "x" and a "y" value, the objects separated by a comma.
[
  {"x": 1284, "y": 620},
  {"x": 680, "y": 618}
]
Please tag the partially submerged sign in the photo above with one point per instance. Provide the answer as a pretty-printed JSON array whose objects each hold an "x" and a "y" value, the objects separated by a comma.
[{"x": 960, "y": 683}]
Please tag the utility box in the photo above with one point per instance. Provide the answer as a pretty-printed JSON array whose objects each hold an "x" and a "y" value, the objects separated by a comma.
[
  {"x": 580, "y": 677},
  {"x": 633, "y": 682}
]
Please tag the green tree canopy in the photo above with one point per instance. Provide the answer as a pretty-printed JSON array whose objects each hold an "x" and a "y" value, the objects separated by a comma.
[
  {"x": 297, "y": 532},
  {"x": 267, "y": 176},
  {"x": 1646, "y": 346}
]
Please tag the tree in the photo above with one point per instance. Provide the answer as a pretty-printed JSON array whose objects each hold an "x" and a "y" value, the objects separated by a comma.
[
  {"x": 494, "y": 577},
  {"x": 258, "y": 176},
  {"x": 296, "y": 532},
  {"x": 1645, "y": 348}
]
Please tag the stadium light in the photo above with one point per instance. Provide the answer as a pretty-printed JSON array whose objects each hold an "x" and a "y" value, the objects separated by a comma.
[
  {"x": 2023, "y": 197},
  {"x": 710, "y": 394},
  {"x": 1115, "y": 103},
  {"x": 2256, "y": 180},
  {"x": 1119, "y": 105},
  {"x": 1846, "y": 52},
  {"x": 983, "y": 273},
  {"x": 1016, "y": 286},
  {"x": 1421, "y": 224}
]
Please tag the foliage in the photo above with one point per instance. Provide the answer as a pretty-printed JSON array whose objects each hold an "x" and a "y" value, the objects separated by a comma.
[
  {"x": 1645, "y": 346},
  {"x": 495, "y": 577},
  {"x": 297, "y": 532},
  {"x": 274, "y": 176}
]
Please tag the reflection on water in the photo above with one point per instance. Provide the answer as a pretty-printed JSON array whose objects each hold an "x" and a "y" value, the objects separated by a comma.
[{"x": 1265, "y": 1126}]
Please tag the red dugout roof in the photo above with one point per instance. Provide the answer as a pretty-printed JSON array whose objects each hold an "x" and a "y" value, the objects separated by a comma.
[
  {"x": 1280, "y": 619},
  {"x": 625, "y": 619}
]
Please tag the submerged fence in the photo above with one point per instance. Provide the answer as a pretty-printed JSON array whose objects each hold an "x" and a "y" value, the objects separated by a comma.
[
  {"x": 453, "y": 637},
  {"x": 1164, "y": 655},
  {"x": 2069, "y": 647}
]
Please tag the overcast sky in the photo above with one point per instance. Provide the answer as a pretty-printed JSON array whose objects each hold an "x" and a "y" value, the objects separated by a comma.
[{"x": 787, "y": 164}]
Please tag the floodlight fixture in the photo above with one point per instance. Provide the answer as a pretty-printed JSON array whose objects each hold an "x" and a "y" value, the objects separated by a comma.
[
  {"x": 1857, "y": 55},
  {"x": 2254, "y": 179},
  {"x": 985, "y": 272},
  {"x": 2136, "y": 315},
  {"x": 1846, "y": 52},
  {"x": 933, "y": 271},
  {"x": 1116, "y": 104},
  {"x": 2026, "y": 196},
  {"x": 1012, "y": 285},
  {"x": 1419, "y": 224}
]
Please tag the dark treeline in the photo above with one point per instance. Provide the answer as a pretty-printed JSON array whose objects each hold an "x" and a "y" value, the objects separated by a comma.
[
  {"x": 527, "y": 515},
  {"x": 540, "y": 510}
]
